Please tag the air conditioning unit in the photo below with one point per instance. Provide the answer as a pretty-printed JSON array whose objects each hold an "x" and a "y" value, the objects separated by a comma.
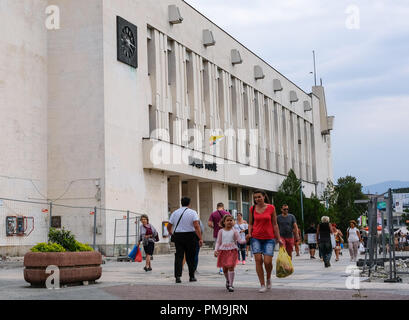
[
  {"x": 235, "y": 57},
  {"x": 174, "y": 15},
  {"x": 208, "y": 38},
  {"x": 258, "y": 73},
  {"x": 277, "y": 85}
]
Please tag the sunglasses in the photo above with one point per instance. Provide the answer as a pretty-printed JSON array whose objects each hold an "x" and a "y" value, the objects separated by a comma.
[{"x": 285, "y": 209}]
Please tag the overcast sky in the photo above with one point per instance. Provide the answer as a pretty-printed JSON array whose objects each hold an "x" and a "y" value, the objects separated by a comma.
[{"x": 362, "y": 53}]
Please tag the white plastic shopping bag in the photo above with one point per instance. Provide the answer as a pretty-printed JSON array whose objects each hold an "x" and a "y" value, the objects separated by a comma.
[{"x": 361, "y": 248}]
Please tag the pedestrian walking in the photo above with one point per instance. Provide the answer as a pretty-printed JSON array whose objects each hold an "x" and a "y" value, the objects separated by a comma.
[
  {"x": 214, "y": 223},
  {"x": 263, "y": 231},
  {"x": 338, "y": 241},
  {"x": 198, "y": 247},
  {"x": 354, "y": 238},
  {"x": 402, "y": 241},
  {"x": 241, "y": 226},
  {"x": 297, "y": 243},
  {"x": 148, "y": 236},
  {"x": 287, "y": 225},
  {"x": 248, "y": 248},
  {"x": 311, "y": 238},
  {"x": 185, "y": 234},
  {"x": 226, "y": 249},
  {"x": 324, "y": 231}
]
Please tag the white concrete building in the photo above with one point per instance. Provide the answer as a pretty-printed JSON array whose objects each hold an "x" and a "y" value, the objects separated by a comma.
[{"x": 80, "y": 127}]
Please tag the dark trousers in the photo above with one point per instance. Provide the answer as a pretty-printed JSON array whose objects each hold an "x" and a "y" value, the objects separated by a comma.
[
  {"x": 326, "y": 250},
  {"x": 197, "y": 255},
  {"x": 242, "y": 249},
  {"x": 186, "y": 244}
]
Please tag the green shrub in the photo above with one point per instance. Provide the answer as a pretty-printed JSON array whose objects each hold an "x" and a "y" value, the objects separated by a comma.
[
  {"x": 61, "y": 241},
  {"x": 83, "y": 247},
  {"x": 64, "y": 238},
  {"x": 48, "y": 247}
]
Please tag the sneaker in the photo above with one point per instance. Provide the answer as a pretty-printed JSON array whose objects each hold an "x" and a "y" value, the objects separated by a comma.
[
  {"x": 237, "y": 262},
  {"x": 221, "y": 271},
  {"x": 243, "y": 262},
  {"x": 178, "y": 280},
  {"x": 145, "y": 268},
  {"x": 262, "y": 289},
  {"x": 149, "y": 269},
  {"x": 269, "y": 284},
  {"x": 192, "y": 279},
  {"x": 227, "y": 285},
  {"x": 231, "y": 289}
]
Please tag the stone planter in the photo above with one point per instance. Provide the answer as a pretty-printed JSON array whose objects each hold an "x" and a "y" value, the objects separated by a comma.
[{"x": 74, "y": 267}]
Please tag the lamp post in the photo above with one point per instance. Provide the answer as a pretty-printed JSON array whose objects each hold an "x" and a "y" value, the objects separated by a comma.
[{"x": 302, "y": 211}]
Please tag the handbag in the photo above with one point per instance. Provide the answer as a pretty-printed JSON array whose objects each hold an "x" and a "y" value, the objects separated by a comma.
[{"x": 172, "y": 237}]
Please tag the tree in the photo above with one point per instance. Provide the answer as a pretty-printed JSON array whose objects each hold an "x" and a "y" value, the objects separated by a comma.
[
  {"x": 347, "y": 191},
  {"x": 405, "y": 216},
  {"x": 289, "y": 193}
]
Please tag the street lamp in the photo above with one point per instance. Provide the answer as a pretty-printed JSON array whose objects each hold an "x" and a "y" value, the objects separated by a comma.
[{"x": 302, "y": 210}]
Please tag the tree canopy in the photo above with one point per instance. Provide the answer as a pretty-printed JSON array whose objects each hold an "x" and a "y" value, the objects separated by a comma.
[{"x": 337, "y": 202}]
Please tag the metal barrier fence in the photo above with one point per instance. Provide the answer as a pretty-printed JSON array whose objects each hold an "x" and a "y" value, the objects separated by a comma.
[
  {"x": 382, "y": 243},
  {"x": 29, "y": 222}
]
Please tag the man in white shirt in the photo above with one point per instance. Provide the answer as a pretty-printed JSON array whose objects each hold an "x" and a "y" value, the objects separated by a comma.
[{"x": 185, "y": 226}]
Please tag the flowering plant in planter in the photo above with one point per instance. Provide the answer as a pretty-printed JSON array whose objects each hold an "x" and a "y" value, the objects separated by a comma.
[{"x": 76, "y": 262}]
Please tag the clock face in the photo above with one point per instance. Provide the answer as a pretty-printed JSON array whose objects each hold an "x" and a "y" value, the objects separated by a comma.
[{"x": 127, "y": 44}]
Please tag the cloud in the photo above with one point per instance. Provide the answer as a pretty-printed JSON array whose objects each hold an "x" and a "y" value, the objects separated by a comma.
[{"x": 365, "y": 71}]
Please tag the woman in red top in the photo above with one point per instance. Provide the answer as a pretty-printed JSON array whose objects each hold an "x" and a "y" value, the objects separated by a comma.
[{"x": 262, "y": 230}]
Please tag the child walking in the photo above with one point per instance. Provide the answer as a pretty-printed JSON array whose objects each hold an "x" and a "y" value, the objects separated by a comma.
[{"x": 226, "y": 249}]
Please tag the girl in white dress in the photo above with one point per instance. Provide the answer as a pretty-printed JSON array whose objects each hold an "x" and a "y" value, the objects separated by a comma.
[{"x": 226, "y": 249}]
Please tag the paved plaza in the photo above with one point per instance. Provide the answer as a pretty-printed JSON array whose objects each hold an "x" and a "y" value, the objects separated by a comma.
[{"x": 128, "y": 281}]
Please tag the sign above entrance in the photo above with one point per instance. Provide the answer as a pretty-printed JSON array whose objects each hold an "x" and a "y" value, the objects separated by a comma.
[{"x": 200, "y": 164}]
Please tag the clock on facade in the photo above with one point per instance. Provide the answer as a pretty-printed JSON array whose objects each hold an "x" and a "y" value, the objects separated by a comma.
[{"x": 127, "y": 42}]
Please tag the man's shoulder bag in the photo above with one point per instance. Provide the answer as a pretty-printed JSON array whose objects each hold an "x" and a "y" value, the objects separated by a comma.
[{"x": 172, "y": 238}]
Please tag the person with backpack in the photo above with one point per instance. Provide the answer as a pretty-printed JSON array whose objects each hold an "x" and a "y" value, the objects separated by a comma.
[
  {"x": 148, "y": 236},
  {"x": 263, "y": 232},
  {"x": 214, "y": 223}
]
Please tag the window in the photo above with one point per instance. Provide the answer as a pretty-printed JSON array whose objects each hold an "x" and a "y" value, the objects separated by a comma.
[
  {"x": 233, "y": 200},
  {"x": 56, "y": 222},
  {"x": 245, "y": 204}
]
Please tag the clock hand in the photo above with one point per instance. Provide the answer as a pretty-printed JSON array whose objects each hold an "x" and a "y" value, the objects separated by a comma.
[{"x": 130, "y": 43}]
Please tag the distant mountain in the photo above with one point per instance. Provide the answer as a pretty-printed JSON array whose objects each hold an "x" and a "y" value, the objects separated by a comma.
[{"x": 384, "y": 186}]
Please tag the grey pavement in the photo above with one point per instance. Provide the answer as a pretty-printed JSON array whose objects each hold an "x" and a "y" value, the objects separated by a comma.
[{"x": 128, "y": 281}]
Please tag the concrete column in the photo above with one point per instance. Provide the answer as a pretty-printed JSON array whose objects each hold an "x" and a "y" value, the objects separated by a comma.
[
  {"x": 193, "y": 194},
  {"x": 206, "y": 208},
  {"x": 174, "y": 192},
  {"x": 239, "y": 200}
]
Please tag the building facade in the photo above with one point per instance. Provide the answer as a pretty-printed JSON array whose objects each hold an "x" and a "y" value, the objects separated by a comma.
[{"x": 134, "y": 104}]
